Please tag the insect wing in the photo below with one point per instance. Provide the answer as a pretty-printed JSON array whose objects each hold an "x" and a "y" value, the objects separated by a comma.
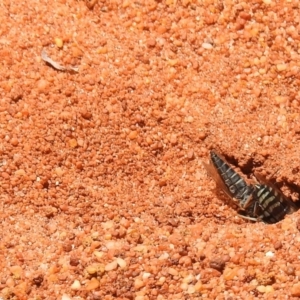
[
  {"x": 228, "y": 180},
  {"x": 211, "y": 170},
  {"x": 232, "y": 184}
]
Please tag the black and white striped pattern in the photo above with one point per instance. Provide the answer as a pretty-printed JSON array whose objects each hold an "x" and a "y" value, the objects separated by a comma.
[
  {"x": 272, "y": 205},
  {"x": 259, "y": 202},
  {"x": 236, "y": 185}
]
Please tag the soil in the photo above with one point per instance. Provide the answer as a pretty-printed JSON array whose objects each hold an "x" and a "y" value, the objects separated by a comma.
[{"x": 103, "y": 192}]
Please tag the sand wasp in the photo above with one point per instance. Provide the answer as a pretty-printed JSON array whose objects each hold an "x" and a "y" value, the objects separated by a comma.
[{"x": 256, "y": 202}]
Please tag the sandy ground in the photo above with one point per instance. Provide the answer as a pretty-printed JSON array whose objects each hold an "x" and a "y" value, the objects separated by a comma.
[{"x": 103, "y": 194}]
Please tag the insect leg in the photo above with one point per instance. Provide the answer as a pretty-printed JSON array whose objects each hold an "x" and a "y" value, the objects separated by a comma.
[{"x": 248, "y": 218}]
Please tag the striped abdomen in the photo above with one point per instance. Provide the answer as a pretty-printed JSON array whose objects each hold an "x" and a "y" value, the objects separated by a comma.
[
  {"x": 236, "y": 186},
  {"x": 272, "y": 206}
]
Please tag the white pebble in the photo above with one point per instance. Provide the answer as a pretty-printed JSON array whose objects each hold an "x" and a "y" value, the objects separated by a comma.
[
  {"x": 111, "y": 266},
  {"x": 112, "y": 245},
  {"x": 146, "y": 275},
  {"x": 165, "y": 255},
  {"x": 188, "y": 279},
  {"x": 76, "y": 285},
  {"x": 191, "y": 289},
  {"x": 270, "y": 254},
  {"x": 121, "y": 262},
  {"x": 207, "y": 46}
]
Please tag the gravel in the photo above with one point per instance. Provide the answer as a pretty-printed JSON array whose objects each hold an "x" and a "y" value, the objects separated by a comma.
[{"x": 103, "y": 193}]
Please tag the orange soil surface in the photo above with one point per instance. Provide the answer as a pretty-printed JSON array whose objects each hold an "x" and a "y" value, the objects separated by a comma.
[{"x": 103, "y": 193}]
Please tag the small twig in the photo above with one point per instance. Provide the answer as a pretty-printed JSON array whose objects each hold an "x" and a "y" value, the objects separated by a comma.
[{"x": 55, "y": 64}]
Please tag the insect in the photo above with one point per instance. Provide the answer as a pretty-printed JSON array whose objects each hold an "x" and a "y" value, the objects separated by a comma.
[
  {"x": 270, "y": 205},
  {"x": 256, "y": 202}
]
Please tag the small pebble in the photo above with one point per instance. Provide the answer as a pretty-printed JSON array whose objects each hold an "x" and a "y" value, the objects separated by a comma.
[
  {"x": 17, "y": 271},
  {"x": 185, "y": 261},
  {"x": 133, "y": 135},
  {"x": 139, "y": 283},
  {"x": 295, "y": 290},
  {"x": 161, "y": 280},
  {"x": 189, "y": 119},
  {"x": 14, "y": 141},
  {"x": 59, "y": 171},
  {"x": 98, "y": 254},
  {"x": 217, "y": 264},
  {"x": 269, "y": 289},
  {"x": 188, "y": 279},
  {"x": 92, "y": 269},
  {"x": 121, "y": 262},
  {"x": 270, "y": 254},
  {"x": 146, "y": 275},
  {"x": 230, "y": 273},
  {"x": 73, "y": 143},
  {"x": 20, "y": 172},
  {"x": 111, "y": 266},
  {"x": 278, "y": 245},
  {"x": 86, "y": 114},
  {"x": 184, "y": 286},
  {"x": 173, "y": 272},
  {"x": 66, "y": 297},
  {"x": 42, "y": 85},
  {"x": 58, "y": 42},
  {"x": 198, "y": 286},
  {"x": 92, "y": 284},
  {"x": 207, "y": 46},
  {"x": 281, "y": 67},
  {"x": 261, "y": 288},
  {"x": 191, "y": 289},
  {"x": 173, "y": 139},
  {"x": 290, "y": 270},
  {"x": 76, "y": 285}
]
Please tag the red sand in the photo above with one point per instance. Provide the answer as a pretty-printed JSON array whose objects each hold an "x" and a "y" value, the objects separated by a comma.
[{"x": 103, "y": 191}]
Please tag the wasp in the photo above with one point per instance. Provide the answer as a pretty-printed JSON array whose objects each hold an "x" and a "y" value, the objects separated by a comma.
[
  {"x": 256, "y": 202},
  {"x": 270, "y": 205}
]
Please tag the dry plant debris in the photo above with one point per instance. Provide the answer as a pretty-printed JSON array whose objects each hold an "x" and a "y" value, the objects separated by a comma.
[{"x": 55, "y": 64}]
